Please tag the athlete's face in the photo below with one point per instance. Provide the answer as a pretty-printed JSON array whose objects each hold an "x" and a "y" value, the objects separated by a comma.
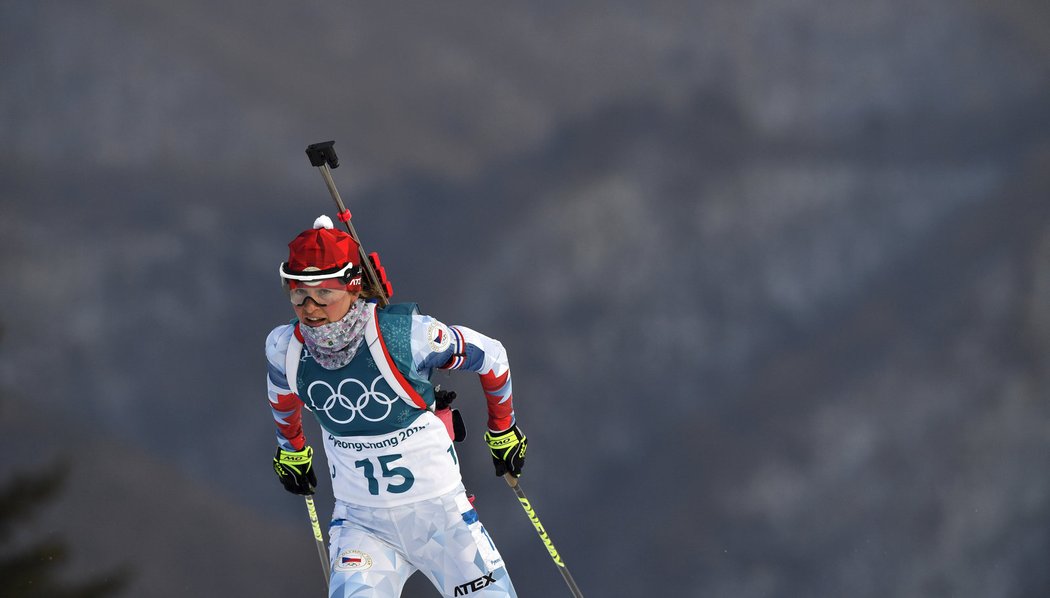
[{"x": 318, "y": 308}]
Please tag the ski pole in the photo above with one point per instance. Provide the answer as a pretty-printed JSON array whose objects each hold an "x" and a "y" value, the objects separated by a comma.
[
  {"x": 322, "y": 155},
  {"x": 525, "y": 504},
  {"x": 312, "y": 511}
]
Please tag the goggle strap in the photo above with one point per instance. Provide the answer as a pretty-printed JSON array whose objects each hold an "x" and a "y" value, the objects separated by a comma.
[{"x": 347, "y": 272}]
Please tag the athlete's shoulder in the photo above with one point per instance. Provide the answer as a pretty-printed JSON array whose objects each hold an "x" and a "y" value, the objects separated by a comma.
[
  {"x": 432, "y": 341},
  {"x": 277, "y": 342}
]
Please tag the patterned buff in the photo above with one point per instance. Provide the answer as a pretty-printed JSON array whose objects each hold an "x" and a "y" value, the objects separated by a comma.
[{"x": 334, "y": 345}]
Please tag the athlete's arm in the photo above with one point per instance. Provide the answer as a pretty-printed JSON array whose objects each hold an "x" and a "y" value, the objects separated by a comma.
[
  {"x": 286, "y": 406},
  {"x": 435, "y": 345}
]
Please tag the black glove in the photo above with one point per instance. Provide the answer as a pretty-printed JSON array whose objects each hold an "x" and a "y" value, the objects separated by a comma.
[
  {"x": 442, "y": 400},
  {"x": 295, "y": 470},
  {"x": 508, "y": 450}
]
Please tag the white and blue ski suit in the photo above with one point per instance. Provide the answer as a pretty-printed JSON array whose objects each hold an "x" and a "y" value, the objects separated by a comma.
[{"x": 400, "y": 503}]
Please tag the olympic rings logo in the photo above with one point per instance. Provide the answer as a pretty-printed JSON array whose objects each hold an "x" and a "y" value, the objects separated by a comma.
[{"x": 337, "y": 405}]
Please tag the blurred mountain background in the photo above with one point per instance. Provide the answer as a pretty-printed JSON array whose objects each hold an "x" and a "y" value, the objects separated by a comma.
[{"x": 774, "y": 278}]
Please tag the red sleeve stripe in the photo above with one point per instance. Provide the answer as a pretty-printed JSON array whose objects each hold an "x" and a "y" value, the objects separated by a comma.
[
  {"x": 499, "y": 398},
  {"x": 288, "y": 415},
  {"x": 496, "y": 386}
]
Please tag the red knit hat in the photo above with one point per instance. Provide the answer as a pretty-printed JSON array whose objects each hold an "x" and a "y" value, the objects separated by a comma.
[{"x": 323, "y": 254}]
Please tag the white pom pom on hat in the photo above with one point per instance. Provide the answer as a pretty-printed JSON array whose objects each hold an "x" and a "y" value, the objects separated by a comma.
[{"x": 323, "y": 221}]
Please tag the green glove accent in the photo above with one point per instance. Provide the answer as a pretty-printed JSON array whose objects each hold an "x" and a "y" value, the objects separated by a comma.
[
  {"x": 508, "y": 450},
  {"x": 295, "y": 470}
]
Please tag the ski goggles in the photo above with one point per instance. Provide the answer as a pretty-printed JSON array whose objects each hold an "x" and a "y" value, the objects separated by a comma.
[{"x": 322, "y": 296}]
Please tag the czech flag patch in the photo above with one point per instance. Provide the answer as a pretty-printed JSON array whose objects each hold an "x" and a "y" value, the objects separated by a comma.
[{"x": 353, "y": 560}]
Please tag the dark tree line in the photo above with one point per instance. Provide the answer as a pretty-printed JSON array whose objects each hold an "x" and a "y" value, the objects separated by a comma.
[{"x": 32, "y": 569}]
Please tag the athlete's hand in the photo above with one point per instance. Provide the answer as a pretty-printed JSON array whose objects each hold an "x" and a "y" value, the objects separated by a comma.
[
  {"x": 295, "y": 470},
  {"x": 508, "y": 450}
]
